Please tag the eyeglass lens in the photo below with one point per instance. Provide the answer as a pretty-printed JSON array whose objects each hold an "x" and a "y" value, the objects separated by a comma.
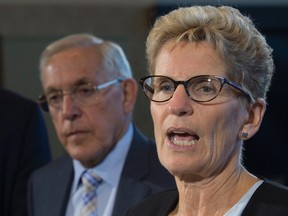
[
  {"x": 201, "y": 88},
  {"x": 81, "y": 94}
]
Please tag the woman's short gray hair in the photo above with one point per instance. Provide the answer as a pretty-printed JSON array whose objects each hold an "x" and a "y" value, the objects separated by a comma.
[{"x": 243, "y": 48}]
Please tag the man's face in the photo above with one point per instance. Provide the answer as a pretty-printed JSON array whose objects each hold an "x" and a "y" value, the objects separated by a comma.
[{"x": 87, "y": 132}]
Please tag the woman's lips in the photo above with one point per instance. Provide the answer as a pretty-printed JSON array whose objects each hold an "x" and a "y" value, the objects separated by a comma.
[{"x": 182, "y": 137}]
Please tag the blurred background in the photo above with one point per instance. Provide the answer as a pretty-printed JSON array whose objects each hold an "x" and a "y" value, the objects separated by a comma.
[{"x": 28, "y": 26}]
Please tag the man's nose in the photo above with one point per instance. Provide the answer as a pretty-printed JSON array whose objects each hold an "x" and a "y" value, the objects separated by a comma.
[{"x": 70, "y": 107}]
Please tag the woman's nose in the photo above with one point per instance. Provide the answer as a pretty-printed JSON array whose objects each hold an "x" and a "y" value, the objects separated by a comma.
[{"x": 180, "y": 103}]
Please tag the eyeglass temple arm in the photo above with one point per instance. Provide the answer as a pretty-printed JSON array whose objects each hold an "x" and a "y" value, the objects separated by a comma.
[
  {"x": 43, "y": 103},
  {"x": 146, "y": 86},
  {"x": 235, "y": 85},
  {"x": 109, "y": 83}
]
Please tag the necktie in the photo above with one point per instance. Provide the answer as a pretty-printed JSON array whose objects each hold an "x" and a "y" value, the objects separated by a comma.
[{"x": 90, "y": 183}]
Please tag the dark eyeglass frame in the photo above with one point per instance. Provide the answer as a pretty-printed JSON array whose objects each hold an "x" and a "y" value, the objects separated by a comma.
[
  {"x": 42, "y": 100},
  {"x": 222, "y": 81}
]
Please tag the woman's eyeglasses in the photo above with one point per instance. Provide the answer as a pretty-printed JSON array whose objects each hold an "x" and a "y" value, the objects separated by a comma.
[{"x": 199, "y": 88}]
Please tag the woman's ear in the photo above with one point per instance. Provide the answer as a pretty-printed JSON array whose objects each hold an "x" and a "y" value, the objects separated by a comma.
[
  {"x": 254, "y": 120},
  {"x": 130, "y": 89}
]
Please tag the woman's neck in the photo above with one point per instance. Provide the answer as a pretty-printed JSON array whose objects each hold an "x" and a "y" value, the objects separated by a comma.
[{"x": 214, "y": 195}]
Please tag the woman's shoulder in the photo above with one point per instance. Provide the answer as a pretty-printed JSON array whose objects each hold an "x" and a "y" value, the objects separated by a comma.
[
  {"x": 273, "y": 189},
  {"x": 157, "y": 204},
  {"x": 269, "y": 199}
]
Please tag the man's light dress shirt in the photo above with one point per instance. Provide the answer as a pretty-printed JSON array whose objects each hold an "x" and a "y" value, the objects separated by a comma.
[{"x": 109, "y": 170}]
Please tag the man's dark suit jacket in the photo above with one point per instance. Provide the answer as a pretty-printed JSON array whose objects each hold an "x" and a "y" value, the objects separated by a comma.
[
  {"x": 23, "y": 148},
  {"x": 142, "y": 175},
  {"x": 270, "y": 199}
]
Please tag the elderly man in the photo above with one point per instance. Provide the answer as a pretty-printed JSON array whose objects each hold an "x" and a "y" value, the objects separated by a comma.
[{"x": 90, "y": 94}]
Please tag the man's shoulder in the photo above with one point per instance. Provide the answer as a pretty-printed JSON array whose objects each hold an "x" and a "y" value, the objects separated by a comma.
[
  {"x": 54, "y": 169},
  {"x": 139, "y": 136},
  {"x": 142, "y": 163}
]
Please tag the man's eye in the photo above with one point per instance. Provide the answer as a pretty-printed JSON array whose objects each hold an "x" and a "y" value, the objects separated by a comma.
[
  {"x": 54, "y": 98},
  {"x": 85, "y": 90}
]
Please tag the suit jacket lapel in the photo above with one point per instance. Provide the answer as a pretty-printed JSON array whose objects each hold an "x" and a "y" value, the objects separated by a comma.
[
  {"x": 65, "y": 187},
  {"x": 59, "y": 190},
  {"x": 131, "y": 189},
  {"x": 139, "y": 149},
  {"x": 130, "y": 192}
]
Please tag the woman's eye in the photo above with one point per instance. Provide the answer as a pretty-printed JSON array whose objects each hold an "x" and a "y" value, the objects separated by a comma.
[
  {"x": 205, "y": 88},
  {"x": 166, "y": 87}
]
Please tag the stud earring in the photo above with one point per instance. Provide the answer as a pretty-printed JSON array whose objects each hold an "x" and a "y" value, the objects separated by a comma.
[{"x": 244, "y": 135}]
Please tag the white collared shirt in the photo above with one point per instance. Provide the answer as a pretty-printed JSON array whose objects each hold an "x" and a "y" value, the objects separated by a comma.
[{"x": 109, "y": 170}]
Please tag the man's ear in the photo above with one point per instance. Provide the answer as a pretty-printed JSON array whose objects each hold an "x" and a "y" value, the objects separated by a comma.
[
  {"x": 254, "y": 120},
  {"x": 130, "y": 89}
]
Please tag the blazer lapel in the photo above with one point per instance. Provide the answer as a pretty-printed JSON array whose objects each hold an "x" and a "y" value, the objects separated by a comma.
[
  {"x": 61, "y": 195},
  {"x": 62, "y": 189},
  {"x": 129, "y": 193},
  {"x": 131, "y": 189},
  {"x": 133, "y": 185},
  {"x": 58, "y": 191},
  {"x": 139, "y": 153}
]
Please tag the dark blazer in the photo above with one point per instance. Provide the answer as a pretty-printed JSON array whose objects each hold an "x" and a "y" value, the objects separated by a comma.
[
  {"x": 270, "y": 199},
  {"x": 142, "y": 175},
  {"x": 23, "y": 148}
]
